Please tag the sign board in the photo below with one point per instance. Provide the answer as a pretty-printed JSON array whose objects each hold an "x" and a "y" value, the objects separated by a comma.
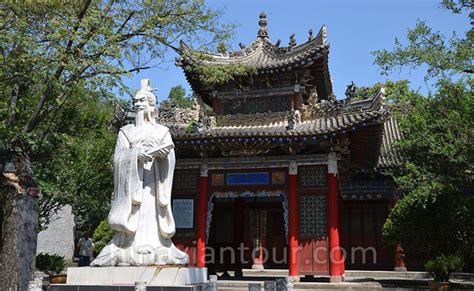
[
  {"x": 183, "y": 213},
  {"x": 248, "y": 178}
]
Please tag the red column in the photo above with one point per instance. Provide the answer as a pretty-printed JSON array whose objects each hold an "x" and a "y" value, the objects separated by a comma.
[
  {"x": 293, "y": 223},
  {"x": 239, "y": 233},
  {"x": 297, "y": 100},
  {"x": 336, "y": 260},
  {"x": 258, "y": 259},
  {"x": 201, "y": 222}
]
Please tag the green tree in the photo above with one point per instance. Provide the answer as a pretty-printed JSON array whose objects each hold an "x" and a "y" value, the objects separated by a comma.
[
  {"x": 50, "y": 51},
  {"x": 434, "y": 216},
  {"x": 80, "y": 171},
  {"x": 178, "y": 95},
  {"x": 103, "y": 234}
]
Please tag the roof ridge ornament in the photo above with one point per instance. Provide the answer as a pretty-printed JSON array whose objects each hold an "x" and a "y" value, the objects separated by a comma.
[
  {"x": 263, "y": 32},
  {"x": 310, "y": 35},
  {"x": 292, "y": 42},
  {"x": 324, "y": 34}
]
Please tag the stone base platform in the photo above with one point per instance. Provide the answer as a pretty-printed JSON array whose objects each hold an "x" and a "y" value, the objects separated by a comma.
[
  {"x": 64, "y": 287},
  {"x": 127, "y": 276}
]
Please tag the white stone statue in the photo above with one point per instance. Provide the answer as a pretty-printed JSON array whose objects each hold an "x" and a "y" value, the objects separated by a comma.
[{"x": 141, "y": 215}]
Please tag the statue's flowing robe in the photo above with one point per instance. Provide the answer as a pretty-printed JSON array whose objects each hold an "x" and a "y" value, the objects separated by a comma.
[
  {"x": 141, "y": 208},
  {"x": 128, "y": 180}
]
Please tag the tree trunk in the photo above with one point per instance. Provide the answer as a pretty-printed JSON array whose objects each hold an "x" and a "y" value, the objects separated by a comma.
[{"x": 19, "y": 218}]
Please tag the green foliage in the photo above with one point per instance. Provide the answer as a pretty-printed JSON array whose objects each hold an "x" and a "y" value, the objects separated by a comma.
[
  {"x": 395, "y": 91},
  {"x": 222, "y": 48},
  {"x": 366, "y": 92},
  {"x": 438, "y": 149},
  {"x": 438, "y": 216},
  {"x": 191, "y": 127},
  {"x": 59, "y": 62},
  {"x": 103, "y": 234},
  {"x": 50, "y": 49},
  {"x": 439, "y": 133},
  {"x": 80, "y": 171},
  {"x": 443, "y": 57},
  {"x": 213, "y": 75},
  {"x": 50, "y": 264},
  {"x": 178, "y": 95},
  {"x": 442, "y": 266},
  {"x": 437, "y": 145}
]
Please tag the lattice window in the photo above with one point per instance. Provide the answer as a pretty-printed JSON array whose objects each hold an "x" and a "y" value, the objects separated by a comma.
[
  {"x": 312, "y": 176},
  {"x": 254, "y": 106},
  {"x": 257, "y": 105},
  {"x": 186, "y": 179},
  {"x": 313, "y": 216},
  {"x": 279, "y": 103}
]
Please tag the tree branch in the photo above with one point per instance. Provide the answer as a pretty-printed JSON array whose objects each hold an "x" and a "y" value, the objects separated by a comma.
[
  {"x": 35, "y": 116},
  {"x": 13, "y": 101},
  {"x": 94, "y": 28},
  {"x": 111, "y": 72}
]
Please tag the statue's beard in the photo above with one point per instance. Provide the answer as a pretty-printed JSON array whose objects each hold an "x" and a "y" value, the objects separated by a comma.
[
  {"x": 140, "y": 118},
  {"x": 143, "y": 116}
]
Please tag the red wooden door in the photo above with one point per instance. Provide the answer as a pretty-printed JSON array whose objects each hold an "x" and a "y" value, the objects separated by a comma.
[
  {"x": 276, "y": 241},
  {"x": 361, "y": 236}
]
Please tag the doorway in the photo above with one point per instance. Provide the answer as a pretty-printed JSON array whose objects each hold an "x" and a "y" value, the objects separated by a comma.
[{"x": 246, "y": 232}]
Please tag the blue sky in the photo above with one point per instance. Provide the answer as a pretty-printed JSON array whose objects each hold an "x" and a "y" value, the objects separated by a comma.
[{"x": 355, "y": 29}]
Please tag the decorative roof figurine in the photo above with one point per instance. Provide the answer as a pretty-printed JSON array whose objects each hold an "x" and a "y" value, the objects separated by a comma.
[
  {"x": 351, "y": 90},
  {"x": 310, "y": 35},
  {"x": 292, "y": 42},
  {"x": 262, "y": 32}
]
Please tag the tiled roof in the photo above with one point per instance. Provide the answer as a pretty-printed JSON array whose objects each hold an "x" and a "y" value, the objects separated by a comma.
[
  {"x": 318, "y": 126},
  {"x": 263, "y": 55},
  {"x": 389, "y": 156},
  {"x": 267, "y": 57}
]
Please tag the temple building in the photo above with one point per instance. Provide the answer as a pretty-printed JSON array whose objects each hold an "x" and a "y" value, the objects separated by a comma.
[{"x": 273, "y": 171}]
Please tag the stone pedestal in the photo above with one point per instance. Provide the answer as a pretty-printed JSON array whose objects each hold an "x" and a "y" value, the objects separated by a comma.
[{"x": 151, "y": 275}]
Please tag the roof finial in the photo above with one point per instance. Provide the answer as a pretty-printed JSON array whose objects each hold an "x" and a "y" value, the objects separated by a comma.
[
  {"x": 262, "y": 32},
  {"x": 310, "y": 35},
  {"x": 324, "y": 33},
  {"x": 292, "y": 42}
]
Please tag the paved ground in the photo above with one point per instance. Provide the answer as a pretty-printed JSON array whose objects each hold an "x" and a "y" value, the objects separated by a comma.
[{"x": 354, "y": 280}]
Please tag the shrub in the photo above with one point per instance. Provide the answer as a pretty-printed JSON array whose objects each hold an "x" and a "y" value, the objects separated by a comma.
[
  {"x": 50, "y": 264},
  {"x": 442, "y": 266},
  {"x": 103, "y": 234}
]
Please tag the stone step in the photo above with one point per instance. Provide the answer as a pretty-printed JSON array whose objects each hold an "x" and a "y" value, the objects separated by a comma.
[
  {"x": 243, "y": 285},
  {"x": 359, "y": 274},
  {"x": 388, "y": 275},
  {"x": 265, "y": 273}
]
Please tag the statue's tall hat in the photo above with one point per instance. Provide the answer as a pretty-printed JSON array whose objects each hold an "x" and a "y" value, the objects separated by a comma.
[{"x": 145, "y": 87}]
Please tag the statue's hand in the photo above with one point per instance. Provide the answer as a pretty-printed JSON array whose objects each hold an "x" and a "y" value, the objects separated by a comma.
[
  {"x": 150, "y": 144},
  {"x": 143, "y": 156},
  {"x": 162, "y": 153}
]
